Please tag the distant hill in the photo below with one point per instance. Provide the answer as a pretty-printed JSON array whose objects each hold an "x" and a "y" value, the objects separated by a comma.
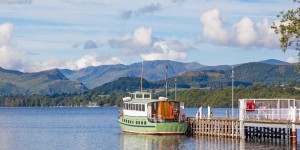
[
  {"x": 92, "y": 77},
  {"x": 245, "y": 75},
  {"x": 273, "y": 62},
  {"x": 153, "y": 70},
  {"x": 46, "y": 82},
  {"x": 266, "y": 73}
]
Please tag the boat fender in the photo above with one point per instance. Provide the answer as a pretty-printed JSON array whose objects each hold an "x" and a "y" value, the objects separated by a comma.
[
  {"x": 182, "y": 118},
  {"x": 121, "y": 113}
]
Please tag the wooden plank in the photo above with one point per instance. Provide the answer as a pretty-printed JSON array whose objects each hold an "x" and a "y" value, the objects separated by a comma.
[
  {"x": 219, "y": 128},
  {"x": 232, "y": 129}
]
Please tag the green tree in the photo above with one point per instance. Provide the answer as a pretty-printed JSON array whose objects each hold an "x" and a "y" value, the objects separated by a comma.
[{"x": 289, "y": 29}]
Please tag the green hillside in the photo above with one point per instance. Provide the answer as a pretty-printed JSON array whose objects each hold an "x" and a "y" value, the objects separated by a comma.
[{"x": 46, "y": 83}]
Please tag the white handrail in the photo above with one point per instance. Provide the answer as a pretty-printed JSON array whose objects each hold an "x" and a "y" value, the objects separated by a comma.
[{"x": 291, "y": 113}]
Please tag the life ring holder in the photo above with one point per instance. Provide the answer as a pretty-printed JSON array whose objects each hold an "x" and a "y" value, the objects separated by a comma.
[{"x": 250, "y": 106}]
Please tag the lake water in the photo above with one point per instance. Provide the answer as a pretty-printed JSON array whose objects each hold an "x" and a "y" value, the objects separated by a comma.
[{"x": 97, "y": 128}]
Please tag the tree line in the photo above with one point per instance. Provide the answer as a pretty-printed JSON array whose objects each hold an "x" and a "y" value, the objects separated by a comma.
[{"x": 191, "y": 97}]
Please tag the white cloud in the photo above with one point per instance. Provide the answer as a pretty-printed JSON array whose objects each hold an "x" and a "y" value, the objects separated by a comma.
[
  {"x": 5, "y": 33},
  {"x": 12, "y": 59},
  {"x": 92, "y": 59},
  {"x": 142, "y": 44},
  {"x": 142, "y": 36},
  {"x": 19, "y": 60},
  {"x": 266, "y": 35},
  {"x": 212, "y": 27},
  {"x": 167, "y": 51},
  {"x": 245, "y": 33},
  {"x": 291, "y": 59},
  {"x": 9, "y": 58}
]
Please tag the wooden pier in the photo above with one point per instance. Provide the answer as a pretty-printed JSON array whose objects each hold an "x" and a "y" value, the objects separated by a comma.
[
  {"x": 218, "y": 127},
  {"x": 261, "y": 124},
  {"x": 262, "y": 130}
]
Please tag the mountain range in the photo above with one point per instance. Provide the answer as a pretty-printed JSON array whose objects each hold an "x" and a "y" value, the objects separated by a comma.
[
  {"x": 95, "y": 76},
  {"x": 188, "y": 75}
]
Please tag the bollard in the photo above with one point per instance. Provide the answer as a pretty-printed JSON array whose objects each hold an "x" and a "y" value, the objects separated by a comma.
[
  {"x": 226, "y": 112},
  {"x": 208, "y": 112}
]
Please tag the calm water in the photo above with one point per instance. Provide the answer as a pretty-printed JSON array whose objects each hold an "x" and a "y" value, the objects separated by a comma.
[{"x": 96, "y": 128}]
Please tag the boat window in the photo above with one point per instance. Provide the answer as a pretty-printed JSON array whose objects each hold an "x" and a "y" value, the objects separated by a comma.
[
  {"x": 134, "y": 107},
  {"x": 147, "y": 96},
  {"x": 139, "y": 107},
  {"x": 145, "y": 122},
  {"x": 154, "y": 106},
  {"x": 139, "y": 96},
  {"x": 143, "y": 107}
]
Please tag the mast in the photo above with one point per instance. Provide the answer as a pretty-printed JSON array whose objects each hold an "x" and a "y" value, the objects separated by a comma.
[
  {"x": 142, "y": 76},
  {"x": 232, "y": 88},
  {"x": 166, "y": 82}
]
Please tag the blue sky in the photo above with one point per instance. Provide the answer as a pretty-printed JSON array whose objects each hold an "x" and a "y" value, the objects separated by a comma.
[{"x": 38, "y": 35}]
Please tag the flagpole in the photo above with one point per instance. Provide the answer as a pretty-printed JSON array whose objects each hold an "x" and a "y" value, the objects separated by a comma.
[{"x": 175, "y": 89}]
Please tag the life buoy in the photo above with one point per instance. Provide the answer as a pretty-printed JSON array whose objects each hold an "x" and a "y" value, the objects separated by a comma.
[{"x": 250, "y": 106}]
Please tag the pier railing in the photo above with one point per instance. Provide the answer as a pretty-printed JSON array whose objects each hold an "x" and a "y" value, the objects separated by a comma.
[{"x": 273, "y": 114}]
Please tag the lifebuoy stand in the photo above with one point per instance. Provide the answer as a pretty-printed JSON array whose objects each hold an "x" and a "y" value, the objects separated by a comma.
[{"x": 250, "y": 106}]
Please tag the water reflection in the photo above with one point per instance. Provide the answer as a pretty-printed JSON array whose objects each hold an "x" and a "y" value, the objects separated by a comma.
[
  {"x": 149, "y": 142},
  {"x": 206, "y": 142},
  {"x": 216, "y": 143}
]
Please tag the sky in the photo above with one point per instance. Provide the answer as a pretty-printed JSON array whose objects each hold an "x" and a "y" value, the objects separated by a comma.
[{"x": 38, "y": 35}]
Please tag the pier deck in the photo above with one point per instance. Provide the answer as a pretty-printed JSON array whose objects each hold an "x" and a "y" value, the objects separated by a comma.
[{"x": 274, "y": 119}]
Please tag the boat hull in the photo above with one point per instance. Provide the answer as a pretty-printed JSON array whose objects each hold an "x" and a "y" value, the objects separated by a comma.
[{"x": 141, "y": 125}]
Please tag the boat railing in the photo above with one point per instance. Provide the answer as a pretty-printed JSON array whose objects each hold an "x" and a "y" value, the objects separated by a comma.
[
  {"x": 161, "y": 118},
  {"x": 157, "y": 118}
]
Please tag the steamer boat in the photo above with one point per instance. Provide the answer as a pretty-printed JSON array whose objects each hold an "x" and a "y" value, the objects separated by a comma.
[{"x": 143, "y": 115}]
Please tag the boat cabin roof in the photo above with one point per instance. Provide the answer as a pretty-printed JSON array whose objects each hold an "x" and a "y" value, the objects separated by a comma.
[
  {"x": 140, "y": 95},
  {"x": 142, "y": 101},
  {"x": 142, "y": 98}
]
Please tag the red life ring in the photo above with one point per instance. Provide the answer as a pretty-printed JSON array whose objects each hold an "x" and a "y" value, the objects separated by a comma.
[{"x": 250, "y": 106}]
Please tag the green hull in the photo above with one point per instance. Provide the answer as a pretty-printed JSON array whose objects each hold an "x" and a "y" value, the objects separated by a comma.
[{"x": 142, "y": 125}]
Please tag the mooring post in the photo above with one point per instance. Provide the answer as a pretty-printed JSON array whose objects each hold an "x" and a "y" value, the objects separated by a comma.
[
  {"x": 208, "y": 113},
  {"x": 226, "y": 112},
  {"x": 294, "y": 133},
  {"x": 200, "y": 112},
  {"x": 241, "y": 118}
]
